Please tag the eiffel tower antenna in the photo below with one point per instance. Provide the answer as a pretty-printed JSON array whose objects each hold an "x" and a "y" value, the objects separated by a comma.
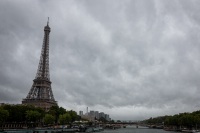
[
  {"x": 48, "y": 21},
  {"x": 40, "y": 94}
]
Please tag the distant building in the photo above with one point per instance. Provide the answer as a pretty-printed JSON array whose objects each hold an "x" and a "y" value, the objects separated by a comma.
[
  {"x": 101, "y": 114},
  {"x": 91, "y": 114},
  {"x": 107, "y": 117},
  {"x": 87, "y": 111},
  {"x": 80, "y": 113},
  {"x": 96, "y": 113},
  {"x": 88, "y": 117}
]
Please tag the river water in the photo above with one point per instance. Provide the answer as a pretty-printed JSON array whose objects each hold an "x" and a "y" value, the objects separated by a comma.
[{"x": 133, "y": 129}]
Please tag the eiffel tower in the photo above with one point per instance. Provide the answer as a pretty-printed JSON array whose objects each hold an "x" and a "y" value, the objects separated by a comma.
[{"x": 41, "y": 94}]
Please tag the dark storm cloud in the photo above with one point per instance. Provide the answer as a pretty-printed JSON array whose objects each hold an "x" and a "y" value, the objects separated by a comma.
[{"x": 113, "y": 56}]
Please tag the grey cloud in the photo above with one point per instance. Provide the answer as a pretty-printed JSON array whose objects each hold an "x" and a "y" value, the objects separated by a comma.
[{"x": 112, "y": 56}]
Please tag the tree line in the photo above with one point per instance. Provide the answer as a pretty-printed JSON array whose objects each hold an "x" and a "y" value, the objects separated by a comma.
[
  {"x": 188, "y": 120},
  {"x": 31, "y": 114}
]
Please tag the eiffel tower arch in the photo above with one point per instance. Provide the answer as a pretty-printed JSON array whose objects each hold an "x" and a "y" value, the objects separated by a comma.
[{"x": 40, "y": 94}]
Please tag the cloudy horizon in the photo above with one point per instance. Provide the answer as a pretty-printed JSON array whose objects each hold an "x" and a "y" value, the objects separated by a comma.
[{"x": 132, "y": 59}]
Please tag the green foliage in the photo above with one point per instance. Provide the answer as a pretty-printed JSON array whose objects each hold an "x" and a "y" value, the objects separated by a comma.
[
  {"x": 17, "y": 113},
  {"x": 118, "y": 121},
  {"x": 112, "y": 121},
  {"x": 3, "y": 115},
  {"x": 73, "y": 115},
  {"x": 29, "y": 113},
  {"x": 49, "y": 119},
  {"x": 56, "y": 111},
  {"x": 33, "y": 116},
  {"x": 156, "y": 120},
  {"x": 65, "y": 118},
  {"x": 188, "y": 120},
  {"x": 62, "y": 110},
  {"x": 197, "y": 118}
]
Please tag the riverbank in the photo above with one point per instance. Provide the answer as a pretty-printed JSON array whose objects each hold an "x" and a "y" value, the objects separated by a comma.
[{"x": 39, "y": 131}]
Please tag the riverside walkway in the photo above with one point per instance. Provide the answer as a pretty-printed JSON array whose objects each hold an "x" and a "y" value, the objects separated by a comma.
[{"x": 39, "y": 131}]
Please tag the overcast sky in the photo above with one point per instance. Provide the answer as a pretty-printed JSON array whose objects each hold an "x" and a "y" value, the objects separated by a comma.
[{"x": 132, "y": 59}]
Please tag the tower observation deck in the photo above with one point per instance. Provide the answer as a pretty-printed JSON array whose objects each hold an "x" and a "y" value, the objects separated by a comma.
[{"x": 40, "y": 94}]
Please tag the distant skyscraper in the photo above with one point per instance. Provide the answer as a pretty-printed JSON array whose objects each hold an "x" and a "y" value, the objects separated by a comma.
[
  {"x": 107, "y": 117},
  {"x": 96, "y": 114},
  {"x": 40, "y": 94},
  {"x": 87, "y": 111},
  {"x": 101, "y": 114},
  {"x": 92, "y": 113},
  {"x": 80, "y": 113}
]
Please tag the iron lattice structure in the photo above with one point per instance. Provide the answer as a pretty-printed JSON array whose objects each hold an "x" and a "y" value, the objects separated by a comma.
[{"x": 41, "y": 94}]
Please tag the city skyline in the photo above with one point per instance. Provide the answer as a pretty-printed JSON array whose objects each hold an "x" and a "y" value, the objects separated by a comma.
[
  {"x": 92, "y": 115},
  {"x": 131, "y": 59}
]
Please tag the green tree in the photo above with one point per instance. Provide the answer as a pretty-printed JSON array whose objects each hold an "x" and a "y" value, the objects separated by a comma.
[
  {"x": 55, "y": 111},
  {"x": 49, "y": 119},
  {"x": 3, "y": 115},
  {"x": 62, "y": 110},
  {"x": 188, "y": 120},
  {"x": 65, "y": 118},
  {"x": 41, "y": 111},
  {"x": 196, "y": 120},
  {"x": 112, "y": 121},
  {"x": 33, "y": 116},
  {"x": 17, "y": 113},
  {"x": 167, "y": 121},
  {"x": 73, "y": 115}
]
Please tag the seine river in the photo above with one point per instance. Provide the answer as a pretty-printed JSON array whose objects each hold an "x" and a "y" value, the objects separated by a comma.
[{"x": 133, "y": 129}]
